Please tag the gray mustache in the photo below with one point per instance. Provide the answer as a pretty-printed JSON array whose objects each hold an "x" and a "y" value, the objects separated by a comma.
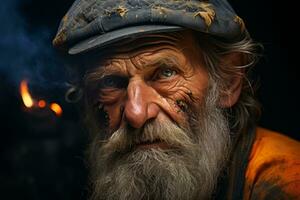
[{"x": 126, "y": 138}]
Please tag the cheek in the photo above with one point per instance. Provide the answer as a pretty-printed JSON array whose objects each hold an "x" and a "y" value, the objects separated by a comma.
[
  {"x": 111, "y": 108},
  {"x": 115, "y": 113},
  {"x": 183, "y": 93},
  {"x": 176, "y": 100}
]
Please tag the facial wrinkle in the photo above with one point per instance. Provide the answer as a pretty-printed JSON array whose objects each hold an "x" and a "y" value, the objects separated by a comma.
[
  {"x": 155, "y": 47},
  {"x": 148, "y": 41},
  {"x": 146, "y": 61}
]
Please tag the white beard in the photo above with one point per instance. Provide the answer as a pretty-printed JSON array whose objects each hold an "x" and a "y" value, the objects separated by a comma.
[{"x": 188, "y": 170}]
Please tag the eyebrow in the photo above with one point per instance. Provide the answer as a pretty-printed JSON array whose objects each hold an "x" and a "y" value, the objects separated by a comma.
[
  {"x": 167, "y": 61},
  {"x": 98, "y": 73}
]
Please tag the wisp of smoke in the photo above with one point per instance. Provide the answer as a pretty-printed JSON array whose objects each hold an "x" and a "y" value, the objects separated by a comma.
[{"x": 26, "y": 54}]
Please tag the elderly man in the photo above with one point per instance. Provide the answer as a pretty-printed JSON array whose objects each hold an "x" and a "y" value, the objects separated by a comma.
[{"x": 168, "y": 105}]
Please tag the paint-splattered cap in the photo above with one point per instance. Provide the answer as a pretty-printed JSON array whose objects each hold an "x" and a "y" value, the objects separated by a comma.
[{"x": 92, "y": 24}]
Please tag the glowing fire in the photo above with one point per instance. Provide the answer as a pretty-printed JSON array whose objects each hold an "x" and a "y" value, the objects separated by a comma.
[
  {"x": 26, "y": 97},
  {"x": 42, "y": 103},
  {"x": 56, "y": 108},
  {"x": 29, "y": 102}
]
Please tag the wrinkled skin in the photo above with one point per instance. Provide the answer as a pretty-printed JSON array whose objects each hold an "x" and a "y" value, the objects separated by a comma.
[{"x": 156, "y": 83}]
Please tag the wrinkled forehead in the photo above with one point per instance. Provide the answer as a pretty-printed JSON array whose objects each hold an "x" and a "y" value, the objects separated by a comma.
[{"x": 147, "y": 49}]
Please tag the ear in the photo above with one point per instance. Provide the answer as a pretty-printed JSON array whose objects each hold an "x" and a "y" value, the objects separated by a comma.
[{"x": 231, "y": 93}]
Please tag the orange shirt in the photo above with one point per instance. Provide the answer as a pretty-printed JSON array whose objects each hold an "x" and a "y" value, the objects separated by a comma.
[{"x": 273, "y": 170}]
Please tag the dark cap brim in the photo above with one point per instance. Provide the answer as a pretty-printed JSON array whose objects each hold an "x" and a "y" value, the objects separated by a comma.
[{"x": 105, "y": 39}]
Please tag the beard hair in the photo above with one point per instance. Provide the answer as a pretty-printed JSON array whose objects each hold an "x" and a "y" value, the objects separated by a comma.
[{"x": 187, "y": 170}]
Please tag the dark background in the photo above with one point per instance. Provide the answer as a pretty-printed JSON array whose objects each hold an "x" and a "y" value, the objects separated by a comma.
[{"x": 42, "y": 156}]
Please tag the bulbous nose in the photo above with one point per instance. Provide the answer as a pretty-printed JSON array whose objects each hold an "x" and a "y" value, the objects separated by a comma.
[{"x": 140, "y": 105}]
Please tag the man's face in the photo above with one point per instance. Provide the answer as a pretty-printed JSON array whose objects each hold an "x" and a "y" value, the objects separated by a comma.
[
  {"x": 157, "y": 82},
  {"x": 158, "y": 132}
]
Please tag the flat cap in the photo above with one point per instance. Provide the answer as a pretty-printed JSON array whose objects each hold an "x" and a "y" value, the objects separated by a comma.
[{"x": 91, "y": 24}]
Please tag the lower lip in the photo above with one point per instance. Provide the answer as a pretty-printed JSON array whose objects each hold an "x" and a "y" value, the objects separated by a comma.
[{"x": 161, "y": 145}]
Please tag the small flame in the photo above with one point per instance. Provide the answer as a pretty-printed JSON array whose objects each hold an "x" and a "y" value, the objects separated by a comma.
[
  {"x": 26, "y": 97},
  {"x": 42, "y": 103},
  {"x": 56, "y": 108},
  {"x": 29, "y": 102}
]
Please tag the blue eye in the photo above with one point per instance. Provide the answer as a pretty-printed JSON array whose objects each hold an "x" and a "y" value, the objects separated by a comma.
[{"x": 167, "y": 73}]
